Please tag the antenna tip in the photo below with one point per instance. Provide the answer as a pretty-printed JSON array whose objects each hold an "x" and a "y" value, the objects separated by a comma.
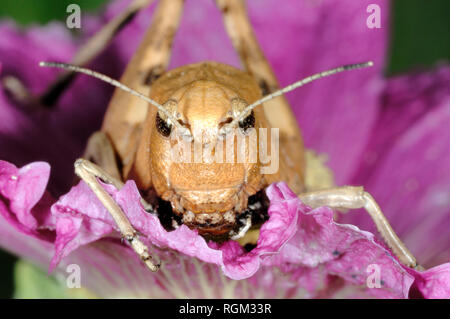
[
  {"x": 42, "y": 63},
  {"x": 370, "y": 63}
]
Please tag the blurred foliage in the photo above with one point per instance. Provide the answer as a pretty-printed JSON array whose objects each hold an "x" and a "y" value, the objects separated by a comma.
[
  {"x": 27, "y": 12},
  {"x": 419, "y": 34},
  {"x": 32, "y": 282},
  {"x": 419, "y": 38},
  {"x": 6, "y": 274}
]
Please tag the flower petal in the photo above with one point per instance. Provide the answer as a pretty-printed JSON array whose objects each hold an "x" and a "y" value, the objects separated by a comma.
[
  {"x": 32, "y": 132},
  {"x": 25, "y": 211},
  {"x": 411, "y": 139},
  {"x": 81, "y": 219},
  {"x": 316, "y": 257},
  {"x": 21, "y": 51},
  {"x": 433, "y": 283},
  {"x": 344, "y": 251},
  {"x": 294, "y": 239},
  {"x": 21, "y": 190},
  {"x": 23, "y": 245}
]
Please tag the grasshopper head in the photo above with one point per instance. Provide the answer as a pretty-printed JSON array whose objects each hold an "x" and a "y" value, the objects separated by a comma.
[{"x": 206, "y": 175}]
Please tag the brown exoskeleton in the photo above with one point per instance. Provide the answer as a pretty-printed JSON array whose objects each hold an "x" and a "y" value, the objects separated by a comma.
[{"x": 136, "y": 139}]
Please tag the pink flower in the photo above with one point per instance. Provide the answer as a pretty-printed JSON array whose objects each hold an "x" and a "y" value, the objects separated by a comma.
[{"x": 388, "y": 135}]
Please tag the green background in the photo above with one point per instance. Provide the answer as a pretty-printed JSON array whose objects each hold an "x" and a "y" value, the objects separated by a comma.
[{"x": 420, "y": 38}]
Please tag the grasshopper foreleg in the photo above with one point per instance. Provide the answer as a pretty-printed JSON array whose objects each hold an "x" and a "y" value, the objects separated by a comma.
[
  {"x": 351, "y": 197},
  {"x": 89, "y": 172}
]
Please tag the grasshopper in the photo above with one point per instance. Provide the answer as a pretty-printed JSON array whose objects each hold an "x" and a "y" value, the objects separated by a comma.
[{"x": 152, "y": 109}]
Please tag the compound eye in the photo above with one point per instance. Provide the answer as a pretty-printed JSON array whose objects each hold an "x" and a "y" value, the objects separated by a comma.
[
  {"x": 248, "y": 122},
  {"x": 162, "y": 126}
]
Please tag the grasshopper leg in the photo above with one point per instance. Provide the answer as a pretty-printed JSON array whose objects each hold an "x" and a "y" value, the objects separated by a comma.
[
  {"x": 89, "y": 172},
  {"x": 100, "y": 151},
  {"x": 351, "y": 197},
  {"x": 242, "y": 36},
  {"x": 278, "y": 110},
  {"x": 125, "y": 114}
]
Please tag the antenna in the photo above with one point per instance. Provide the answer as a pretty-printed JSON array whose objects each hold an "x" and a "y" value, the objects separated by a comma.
[
  {"x": 116, "y": 83},
  {"x": 297, "y": 85}
]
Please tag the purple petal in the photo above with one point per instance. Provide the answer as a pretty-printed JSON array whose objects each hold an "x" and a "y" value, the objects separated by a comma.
[
  {"x": 22, "y": 196},
  {"x": 81, "y": 219},
  {"x": 433, "y": 283},
  {"x": 343, "y": 250},
  {"x": 293, "y": 239},
  {"x": 21, "y": 51},
  {"x": 56, "y": 135},
  {"x": 411, "y": 139},
  {"x": 316, "y": 256},
  {"x": 24, "y": 188},
  {"x": 25, "y": 221},
  {"x": 308, "y": 258},
  {"x": 21, "y": 244}
]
